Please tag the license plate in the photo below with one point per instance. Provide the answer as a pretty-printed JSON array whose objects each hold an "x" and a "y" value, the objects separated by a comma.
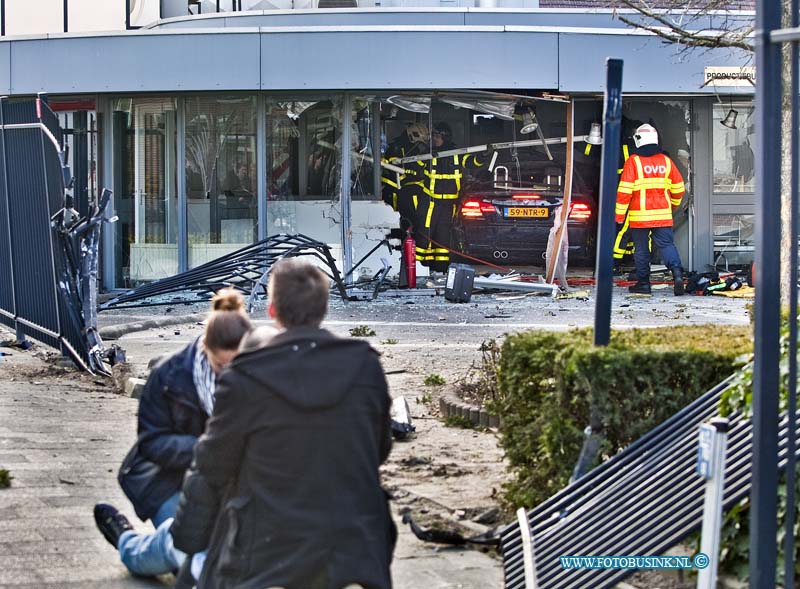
[{"x": 536, "y": 212}]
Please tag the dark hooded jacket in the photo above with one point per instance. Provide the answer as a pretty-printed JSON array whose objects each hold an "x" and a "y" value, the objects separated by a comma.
[
  {"x": 171, "y": 420},
  {"x": 285, "y": 479}
]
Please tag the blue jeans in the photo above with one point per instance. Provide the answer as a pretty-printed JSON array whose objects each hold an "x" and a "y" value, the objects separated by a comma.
[
  {"x": 663, "y": 239},
  {"x": 153, "y": 554}
]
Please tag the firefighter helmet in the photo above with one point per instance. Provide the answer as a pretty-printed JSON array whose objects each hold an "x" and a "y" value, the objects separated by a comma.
[
  {"x": 645, "y": 135},
  {"x": 417, "y": 133}
]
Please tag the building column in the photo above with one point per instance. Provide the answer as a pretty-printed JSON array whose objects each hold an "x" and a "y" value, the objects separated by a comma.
[
  {"x": 702, "y": 184},
  {"x": 344, "y": 202},
  {"x": 105, "y": 178},
  {"x": 261, "y": 164},
  {"x": 183, "y": 203}
]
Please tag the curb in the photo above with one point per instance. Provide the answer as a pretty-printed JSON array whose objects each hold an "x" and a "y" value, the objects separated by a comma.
[
  {"x": 479, "y": 416},
  {"x": 113, "y": 332},
  {"x": 134, "y": 387}
]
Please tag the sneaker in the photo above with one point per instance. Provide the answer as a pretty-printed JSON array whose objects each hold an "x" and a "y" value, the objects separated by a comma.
[
  {"x": 111, "y": 522},
  {"x": 640, "y": 288},
  {"x": 184, "y": 578}
]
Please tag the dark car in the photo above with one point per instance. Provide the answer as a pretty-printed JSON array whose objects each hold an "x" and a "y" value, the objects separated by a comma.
[{"x": 507, "y": 217}]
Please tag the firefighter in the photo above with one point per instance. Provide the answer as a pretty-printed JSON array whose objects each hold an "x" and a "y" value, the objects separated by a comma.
[
  {"x": 403, "y": 191},
  {"x": 649, "y": 189},
  {"x": 443, "y": 177},
  {"x": 623, "y": 244}
]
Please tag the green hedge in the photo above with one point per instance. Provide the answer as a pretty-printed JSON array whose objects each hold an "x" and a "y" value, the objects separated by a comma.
[{"x": 552, "y": 384}]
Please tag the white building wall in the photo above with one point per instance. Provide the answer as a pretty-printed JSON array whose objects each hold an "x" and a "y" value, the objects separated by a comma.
[
  {"x": 24, "y": 17},
  {"x": 96, "y": 15},
  {"x": 39, "y": 17}
]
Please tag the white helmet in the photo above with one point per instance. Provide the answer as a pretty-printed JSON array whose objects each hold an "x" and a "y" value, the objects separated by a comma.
[{"x": 645, "y": 135}]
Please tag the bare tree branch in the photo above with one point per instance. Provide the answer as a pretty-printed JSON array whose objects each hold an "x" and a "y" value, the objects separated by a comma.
[{"x": 661, "y": 25}]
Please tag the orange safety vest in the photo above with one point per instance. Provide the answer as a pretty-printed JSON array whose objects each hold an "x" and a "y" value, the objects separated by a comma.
[{"x": 649, "y": 188}]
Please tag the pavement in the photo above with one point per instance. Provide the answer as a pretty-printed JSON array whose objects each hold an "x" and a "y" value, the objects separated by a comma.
[{"x": 63, "y": 434}]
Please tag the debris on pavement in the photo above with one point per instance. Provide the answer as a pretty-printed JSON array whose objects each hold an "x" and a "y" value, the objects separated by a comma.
[
  {"x": 450, "y": 537},
  {"x": 19, "y": 344},
  {"x": 579, "y": 294},
  {"x": 5, "y": 479},
  {"x": 401, "y": 419}
]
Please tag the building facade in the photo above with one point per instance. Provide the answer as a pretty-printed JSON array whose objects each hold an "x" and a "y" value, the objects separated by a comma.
[{"x": 215, "y": 129}]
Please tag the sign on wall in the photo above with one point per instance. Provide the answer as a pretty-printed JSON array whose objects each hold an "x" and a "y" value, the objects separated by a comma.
[{"x": 730, "y": 76}]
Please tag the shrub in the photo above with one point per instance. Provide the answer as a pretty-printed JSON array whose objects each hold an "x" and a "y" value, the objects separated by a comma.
[
  {"x": 434, "y": 380},
  {"x": 553, "y": 385},
  {"x": 362, "y": 331}
]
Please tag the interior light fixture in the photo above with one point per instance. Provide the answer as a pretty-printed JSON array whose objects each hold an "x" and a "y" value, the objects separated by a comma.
[
  {"x": 529, "y": 123},
  {"x": 594, "y": 137},
  {"x": 730, "y": 119}
]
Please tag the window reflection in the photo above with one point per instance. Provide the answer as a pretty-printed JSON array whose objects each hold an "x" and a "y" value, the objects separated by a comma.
[
  {"x": 734, "y": 161},
  {"x": 220, "y": 176}
]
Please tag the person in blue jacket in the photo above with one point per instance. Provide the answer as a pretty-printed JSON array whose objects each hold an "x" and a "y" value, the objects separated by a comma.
[{"x": 174, "y": 407}]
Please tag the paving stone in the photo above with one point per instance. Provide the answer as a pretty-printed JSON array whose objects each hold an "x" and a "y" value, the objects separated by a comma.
[{"x": 51, "y": 437}]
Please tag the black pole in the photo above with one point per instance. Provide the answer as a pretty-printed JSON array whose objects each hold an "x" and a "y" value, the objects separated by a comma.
[
  {"x": 127, "y": 15},
  {"x": 612, "y": 124},
  {"x": 3, "y": 18},
  {"x": 791, "y": 441},
  {"x": 66, "y": 16},
  {"x": 764, "y": 494}
]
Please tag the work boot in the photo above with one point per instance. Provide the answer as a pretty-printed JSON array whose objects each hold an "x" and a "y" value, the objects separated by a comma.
[
  {"x": 677, "y": 276},
  {"x": 111, "y": 522},
  {"x": 641, "y": 287}
]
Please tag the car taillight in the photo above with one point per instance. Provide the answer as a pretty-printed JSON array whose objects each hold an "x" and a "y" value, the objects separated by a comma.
[
  {"x": 526, "y": 197},
  {"x": 474, "y": 208},
  {"x": 580, "y": 212}
]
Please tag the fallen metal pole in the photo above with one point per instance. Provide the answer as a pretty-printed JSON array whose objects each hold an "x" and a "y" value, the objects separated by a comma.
[
  {"x": 486, "y": 147},
  {"x": 551, "y": 289}
]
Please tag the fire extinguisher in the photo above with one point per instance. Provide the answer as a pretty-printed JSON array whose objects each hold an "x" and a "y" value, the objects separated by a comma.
[{"x": 410, "y": 259}]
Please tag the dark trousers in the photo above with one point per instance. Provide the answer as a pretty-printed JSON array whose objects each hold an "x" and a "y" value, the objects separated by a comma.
[
  {"x": 437, "y": 232},
  {"x": 412, "y": 204},
  {"x": 663, "y": 240}
]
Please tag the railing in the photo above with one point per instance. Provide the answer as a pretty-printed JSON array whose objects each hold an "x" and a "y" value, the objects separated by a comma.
[
  {"x": 48, "y": 253},
  {"x": 178, "y": 7},
  {"x": 644, "y": 500}
]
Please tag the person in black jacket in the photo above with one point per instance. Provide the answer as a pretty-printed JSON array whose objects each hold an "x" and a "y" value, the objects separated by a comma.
[
  {"x": 284, "y": 490},
  {"x": 173, "y": 409}
]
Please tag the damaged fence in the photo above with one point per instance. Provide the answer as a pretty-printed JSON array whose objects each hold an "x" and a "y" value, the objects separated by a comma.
[
  {"x": 48, "y": 252},
  {"x": 644, "y": 500},
  {"x": 246, "y": 270}
]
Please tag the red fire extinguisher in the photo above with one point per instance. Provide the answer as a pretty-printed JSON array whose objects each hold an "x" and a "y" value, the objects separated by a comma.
[{"x": 410, "y": 259}]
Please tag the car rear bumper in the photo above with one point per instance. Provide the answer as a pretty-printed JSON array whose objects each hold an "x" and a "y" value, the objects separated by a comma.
[{"x": 518, "y": 243}]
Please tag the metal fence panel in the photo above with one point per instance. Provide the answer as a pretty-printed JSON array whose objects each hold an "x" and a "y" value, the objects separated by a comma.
[
  {"x": 45, "y": 277},
  {"x": 7, "y": 309}
]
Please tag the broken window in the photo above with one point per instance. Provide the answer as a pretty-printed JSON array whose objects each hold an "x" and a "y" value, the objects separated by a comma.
[
  {"x": 733, "y": 132},
  {"x": 304, "y": 153}
]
